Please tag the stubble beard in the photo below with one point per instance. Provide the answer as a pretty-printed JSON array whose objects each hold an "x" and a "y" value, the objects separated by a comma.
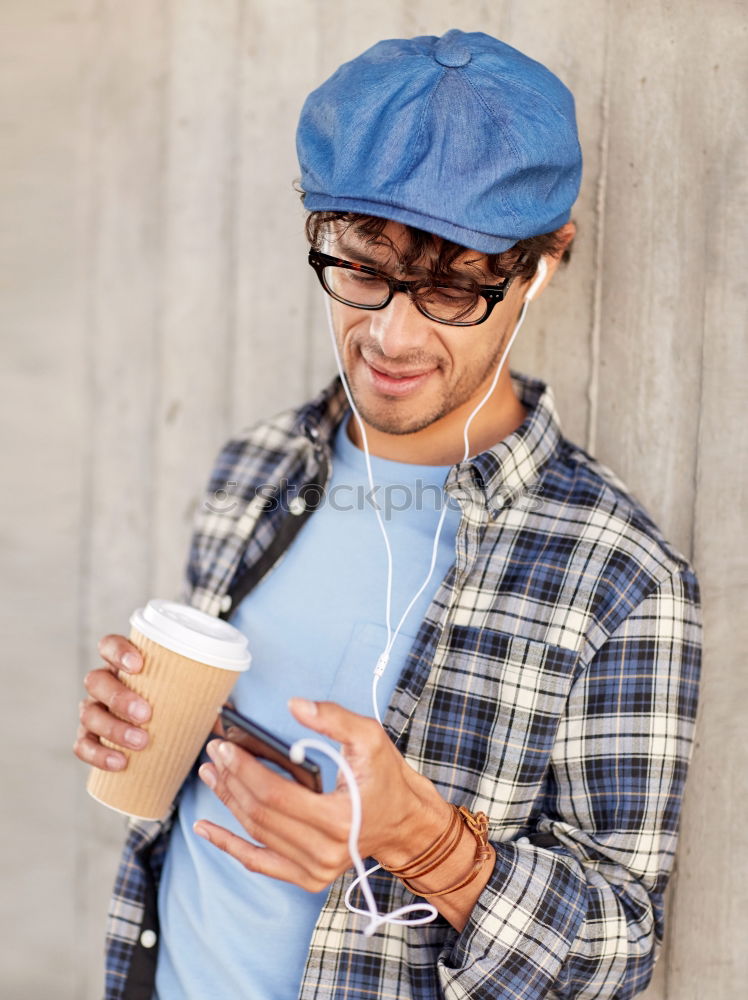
[{"x": 386, "y": 419}]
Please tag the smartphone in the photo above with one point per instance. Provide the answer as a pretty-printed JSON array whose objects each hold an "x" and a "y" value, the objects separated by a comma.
[{"x": 261, "y": 743}]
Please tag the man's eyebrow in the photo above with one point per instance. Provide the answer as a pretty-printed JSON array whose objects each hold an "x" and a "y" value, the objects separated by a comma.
[{"x": 360, "y": 257}]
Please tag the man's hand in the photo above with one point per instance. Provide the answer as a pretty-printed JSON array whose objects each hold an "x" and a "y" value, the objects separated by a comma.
[
  {"x": 112, "y": 710},
  {"x": 306, "y": 834}
]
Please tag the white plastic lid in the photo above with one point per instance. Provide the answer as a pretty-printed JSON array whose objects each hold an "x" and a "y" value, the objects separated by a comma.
[{"x": 192, "y": 633}]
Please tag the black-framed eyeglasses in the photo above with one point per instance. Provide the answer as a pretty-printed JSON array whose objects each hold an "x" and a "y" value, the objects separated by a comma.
[{"x": 364, "y": 287}]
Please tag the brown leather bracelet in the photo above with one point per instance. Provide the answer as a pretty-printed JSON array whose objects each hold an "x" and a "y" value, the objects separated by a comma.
[
  {"x": 455, "y": 828},
  {"x": 478, "y": 826},
  {"x": 434, "y": 855}
]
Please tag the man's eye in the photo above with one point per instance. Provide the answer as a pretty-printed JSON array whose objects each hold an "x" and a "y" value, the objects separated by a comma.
[
  {"x": 363, "y": 279},
  {"x": 447, "y": 294}
]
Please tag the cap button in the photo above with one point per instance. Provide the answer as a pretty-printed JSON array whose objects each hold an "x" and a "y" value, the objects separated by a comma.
[{"x": 451, "y": 53}]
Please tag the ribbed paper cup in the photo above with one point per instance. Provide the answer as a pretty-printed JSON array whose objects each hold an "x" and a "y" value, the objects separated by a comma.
[{"x": 190, "y": 663}]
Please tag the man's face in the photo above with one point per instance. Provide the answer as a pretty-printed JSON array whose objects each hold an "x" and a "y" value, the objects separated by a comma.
[{"x": 407, "y": 372}]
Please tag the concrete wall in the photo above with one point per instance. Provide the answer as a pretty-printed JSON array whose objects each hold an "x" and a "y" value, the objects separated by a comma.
[{"x": 147, "y": 215}]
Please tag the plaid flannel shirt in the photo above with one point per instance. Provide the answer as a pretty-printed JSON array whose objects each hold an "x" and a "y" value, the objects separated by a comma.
[{"x": 552, "y": 684}]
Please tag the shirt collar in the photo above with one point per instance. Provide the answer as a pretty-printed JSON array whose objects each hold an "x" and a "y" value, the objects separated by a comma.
[
  {"x": 510, "y": 470},
  {"x": 318, "y": 419},
  {"x": 499, "y": 476}
]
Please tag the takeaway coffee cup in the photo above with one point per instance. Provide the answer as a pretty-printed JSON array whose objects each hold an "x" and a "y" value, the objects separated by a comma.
[{"x": 191, "y": 661}]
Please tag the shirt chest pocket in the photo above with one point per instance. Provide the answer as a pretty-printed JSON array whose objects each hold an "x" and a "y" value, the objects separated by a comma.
[{"x": 487, "y": 718}]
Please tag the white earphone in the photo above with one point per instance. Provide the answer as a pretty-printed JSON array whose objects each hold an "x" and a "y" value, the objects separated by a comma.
[
  {"x": 405, "y": 914},
  {"x": 540, "y": 276}
]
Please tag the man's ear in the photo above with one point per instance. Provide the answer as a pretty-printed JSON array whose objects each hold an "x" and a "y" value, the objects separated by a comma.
[{"x": 565, "y": 235}]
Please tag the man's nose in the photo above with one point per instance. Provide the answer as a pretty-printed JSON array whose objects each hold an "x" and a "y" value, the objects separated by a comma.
[{"x": 399, "y": 327}]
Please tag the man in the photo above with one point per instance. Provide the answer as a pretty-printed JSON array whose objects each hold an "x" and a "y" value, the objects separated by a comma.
[{"x": 534, "y": 640}]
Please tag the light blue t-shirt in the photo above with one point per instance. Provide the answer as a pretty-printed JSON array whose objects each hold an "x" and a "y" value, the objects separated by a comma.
[{"x": 316, "y": 626}]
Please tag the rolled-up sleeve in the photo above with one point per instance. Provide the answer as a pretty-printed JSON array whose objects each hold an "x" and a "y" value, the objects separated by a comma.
[{"x": 584, "y": 918}]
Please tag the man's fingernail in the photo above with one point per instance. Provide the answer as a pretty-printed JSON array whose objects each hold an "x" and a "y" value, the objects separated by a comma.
[
  {"x": 131, "y": 661},
  {"x": 139, "y": 711},
  {"x": 200, "y": 830},
  {"x": 304, "y": 706},
  {"x": 206, "y": 775},
  {"x": 226, "y": 751},
  {"x": 115, "y": 762}
]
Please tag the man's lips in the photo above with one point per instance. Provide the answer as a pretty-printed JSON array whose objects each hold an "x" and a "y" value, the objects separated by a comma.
[
  {"x": 396, "y": 383},
  {"x": 398, "y": 374}
]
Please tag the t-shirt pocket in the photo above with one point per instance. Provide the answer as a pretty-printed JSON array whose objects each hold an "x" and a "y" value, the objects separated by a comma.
[{"x": 352, "y": 683}]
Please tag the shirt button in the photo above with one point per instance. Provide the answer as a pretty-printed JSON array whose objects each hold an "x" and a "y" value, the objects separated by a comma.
[
  {"x": 297, "y": 505},
  {"x": 148, "y": 939},
  {"x": 226, "y": 602}
]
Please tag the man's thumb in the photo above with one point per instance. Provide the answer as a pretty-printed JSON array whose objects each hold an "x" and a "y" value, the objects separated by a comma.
[{"x": 327, "y": 718}]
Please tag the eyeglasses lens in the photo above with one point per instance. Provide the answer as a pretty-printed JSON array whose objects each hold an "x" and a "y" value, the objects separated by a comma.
[
  {"x": 356, "y": 287},
  {"x": 453, "y": 305},
  {"x": 450, "y": 305}
]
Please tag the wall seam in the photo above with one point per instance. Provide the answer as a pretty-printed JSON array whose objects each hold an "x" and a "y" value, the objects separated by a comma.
[
  {"x": 312, "y": 290},
  {"x": 233, "y": 223},
  {"x": 673, "y": 900},
  {"x": 159, "y": 307},
  {"x": 600, "y": 203},
  {"x": 85, "y": 533},
  {"x": 699, "y": 409}
]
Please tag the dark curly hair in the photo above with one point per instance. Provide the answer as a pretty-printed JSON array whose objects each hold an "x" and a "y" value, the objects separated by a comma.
[{"x": 520, "y": 261}]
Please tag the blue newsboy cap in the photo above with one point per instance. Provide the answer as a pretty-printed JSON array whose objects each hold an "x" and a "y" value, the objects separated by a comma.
[{"x": 461, "y": 136}]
